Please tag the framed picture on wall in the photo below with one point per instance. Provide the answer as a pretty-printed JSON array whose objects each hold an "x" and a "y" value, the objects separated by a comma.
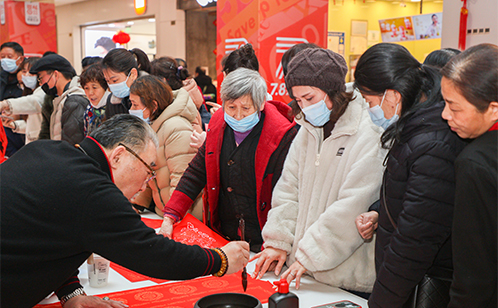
[
  {"x": 353, "y": 60},
  {"x": 359, "y": 27}
]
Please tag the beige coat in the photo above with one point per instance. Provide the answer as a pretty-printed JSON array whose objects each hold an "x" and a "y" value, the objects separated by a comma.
[{"x": 173, "y": 128}]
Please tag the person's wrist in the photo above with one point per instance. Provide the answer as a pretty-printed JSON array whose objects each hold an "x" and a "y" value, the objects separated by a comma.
[
  {"x": 171, "y": 218},
  {"x": 76, "y": 292},
  {"x": 224, "y": 263}
]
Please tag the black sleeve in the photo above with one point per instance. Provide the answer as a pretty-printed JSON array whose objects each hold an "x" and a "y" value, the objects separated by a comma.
[
  {"x": 375, "y": 206},
  {"x": 113, "y": 230},
  {"x": 72, "y": 119},
  {"x": 474, "y": 237},
  {"x": 194, "y": 178},
  {"x": 69, "y": 286},
  {"x": 423, "y": 226},
  {"x": 277, "y": 160}
]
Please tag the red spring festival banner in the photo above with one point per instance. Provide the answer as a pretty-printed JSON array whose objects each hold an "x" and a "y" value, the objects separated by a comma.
[
  {"x": 31, "y": 24},
  {"x": 272, "y": 27}
]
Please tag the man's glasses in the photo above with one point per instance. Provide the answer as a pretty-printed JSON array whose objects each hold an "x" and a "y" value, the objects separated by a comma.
[
  {"x": 151, "y": 171},
  {"x": 41, "y": 78}
]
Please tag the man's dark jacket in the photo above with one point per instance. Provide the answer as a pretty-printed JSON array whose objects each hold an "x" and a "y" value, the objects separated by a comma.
[{"x": 59, "y": 205}]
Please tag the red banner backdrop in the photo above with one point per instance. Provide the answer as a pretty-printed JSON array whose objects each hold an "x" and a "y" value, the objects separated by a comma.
[
  {"x": 35, "y": 39},
  {"x": 272, "y": 27}
]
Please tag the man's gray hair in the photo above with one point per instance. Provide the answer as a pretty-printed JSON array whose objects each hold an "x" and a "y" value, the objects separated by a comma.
[
  {"x": 242, "y": 82},
  {"x": 127, "y": 129}
]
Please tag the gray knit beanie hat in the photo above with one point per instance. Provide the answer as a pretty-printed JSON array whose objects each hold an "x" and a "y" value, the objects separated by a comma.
[{"x": 317, "y": 67}]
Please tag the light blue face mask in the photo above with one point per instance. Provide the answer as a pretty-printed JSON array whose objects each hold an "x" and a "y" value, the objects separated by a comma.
[
  {"x": 377, "y": 115},
  {"x": 243, "y": 125},
  {"x": 317, "y": 114},
  {"x": 121, "y": 89},
  {"x": 139, "y": 114},
  {"x": 29, "y": 81},
  {"x": 9, "y": 65}
]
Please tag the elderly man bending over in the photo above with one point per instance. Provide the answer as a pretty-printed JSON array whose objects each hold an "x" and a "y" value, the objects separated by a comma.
[{"x": 61, "y": 202}]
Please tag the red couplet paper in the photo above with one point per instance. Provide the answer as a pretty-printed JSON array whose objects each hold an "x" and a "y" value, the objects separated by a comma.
[
  {"x": 186, "y": 293},
  {"x": 189, "y": 231},
  {"x": 152, "y": 223}
]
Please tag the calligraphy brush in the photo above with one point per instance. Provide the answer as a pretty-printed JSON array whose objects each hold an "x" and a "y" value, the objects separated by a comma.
[{"x": 242, "y": 226}]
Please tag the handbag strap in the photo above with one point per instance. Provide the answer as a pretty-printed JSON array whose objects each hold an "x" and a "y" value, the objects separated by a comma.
[{"x": 385, "y": 203}]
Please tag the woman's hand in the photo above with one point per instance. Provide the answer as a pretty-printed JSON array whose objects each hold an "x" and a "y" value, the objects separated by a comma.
[
  {"x": 296, "y": 270},
  {"x": 197, "y": 139},
  {"x": 92, "y": 302},
  {"x": 167, "y": 227},
  {"x": 268, "y": 260},
  {"x": 214, "y": 107},
  {"x": 367, "y": 223},
  {"x": 237, "y": 254}
]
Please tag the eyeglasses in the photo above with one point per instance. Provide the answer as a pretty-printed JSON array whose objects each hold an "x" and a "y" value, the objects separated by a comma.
[
  {"x": 41, "y": 78},
  {"x": 151, "y": 171}
]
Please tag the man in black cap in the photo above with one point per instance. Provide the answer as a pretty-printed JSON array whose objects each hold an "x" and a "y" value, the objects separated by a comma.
[{"x": 57, "y": 77}]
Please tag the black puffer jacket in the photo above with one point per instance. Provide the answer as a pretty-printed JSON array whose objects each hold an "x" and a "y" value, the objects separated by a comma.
[{"x": 419, "y": 190}]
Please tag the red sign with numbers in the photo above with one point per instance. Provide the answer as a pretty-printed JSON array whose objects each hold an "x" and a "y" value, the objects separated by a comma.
[{"x": 272, "y": 27}]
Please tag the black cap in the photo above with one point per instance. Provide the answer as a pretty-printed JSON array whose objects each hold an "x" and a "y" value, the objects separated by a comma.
[{"x": 53, "y": 62}]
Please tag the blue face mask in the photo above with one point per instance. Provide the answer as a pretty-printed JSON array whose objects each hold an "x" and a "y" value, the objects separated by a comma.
[
  {"x": 317, "y": 114},
  {"x": 121, "y": 89},
  {"x": 9, "y": 65},
  {"x": 377, "y": 115},
  {"x": 139, "y": 114},
  {"x": 243, "y": 125}
]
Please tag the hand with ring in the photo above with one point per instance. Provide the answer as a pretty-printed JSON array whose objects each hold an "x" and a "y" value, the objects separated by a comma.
[
  {"x": 93, "y": 302},
  {"x": 295, "y": 271}
]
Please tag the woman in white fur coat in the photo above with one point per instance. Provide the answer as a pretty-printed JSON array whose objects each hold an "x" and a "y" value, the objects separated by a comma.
[{"x": 332, "y": 174}]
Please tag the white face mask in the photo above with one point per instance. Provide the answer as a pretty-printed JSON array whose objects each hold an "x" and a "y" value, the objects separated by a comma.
[{"x": 29, "y": 81}]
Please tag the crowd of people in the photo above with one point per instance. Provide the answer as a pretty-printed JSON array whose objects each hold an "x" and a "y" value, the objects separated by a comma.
[{"x": 385, "y": 187}]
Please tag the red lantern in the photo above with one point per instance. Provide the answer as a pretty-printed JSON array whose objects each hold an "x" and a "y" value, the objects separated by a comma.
[
  {"x": 121, "y": 38},
  {"x": 464, "y": 14}
]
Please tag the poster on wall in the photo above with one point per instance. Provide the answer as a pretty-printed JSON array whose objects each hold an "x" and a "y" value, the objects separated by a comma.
[
  {"x": 336, "y": 42},
  {"x": 428, "y": 26},
  {"x": 397, "y": 29},
  {"x": 271, "y": 27},
  {"x": 408, "y": 28}
]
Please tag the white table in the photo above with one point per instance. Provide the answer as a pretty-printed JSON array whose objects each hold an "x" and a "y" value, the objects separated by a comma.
[{"x": 311, "y": 293}]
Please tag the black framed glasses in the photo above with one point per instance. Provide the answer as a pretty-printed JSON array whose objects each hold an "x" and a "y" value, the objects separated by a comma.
[{"x": 152, "y": 173}]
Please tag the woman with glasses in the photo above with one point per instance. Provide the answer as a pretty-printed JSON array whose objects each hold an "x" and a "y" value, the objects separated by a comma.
[{"x": 171, "y": 115}]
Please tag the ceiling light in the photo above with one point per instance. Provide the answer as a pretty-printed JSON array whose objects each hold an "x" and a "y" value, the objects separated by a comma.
[{"x": 152, "y": 20}]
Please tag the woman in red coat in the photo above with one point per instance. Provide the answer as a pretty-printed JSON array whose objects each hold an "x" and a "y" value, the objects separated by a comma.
[{"x": 239, "y": 163}]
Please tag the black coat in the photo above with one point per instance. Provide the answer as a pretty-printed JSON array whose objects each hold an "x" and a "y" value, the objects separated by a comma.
[
  {"x": 9, "y": 86},
  {"x": 475, "y": 225},
  {"x": 418, "y": 189},
  {"x": 58, "y": 206}
]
